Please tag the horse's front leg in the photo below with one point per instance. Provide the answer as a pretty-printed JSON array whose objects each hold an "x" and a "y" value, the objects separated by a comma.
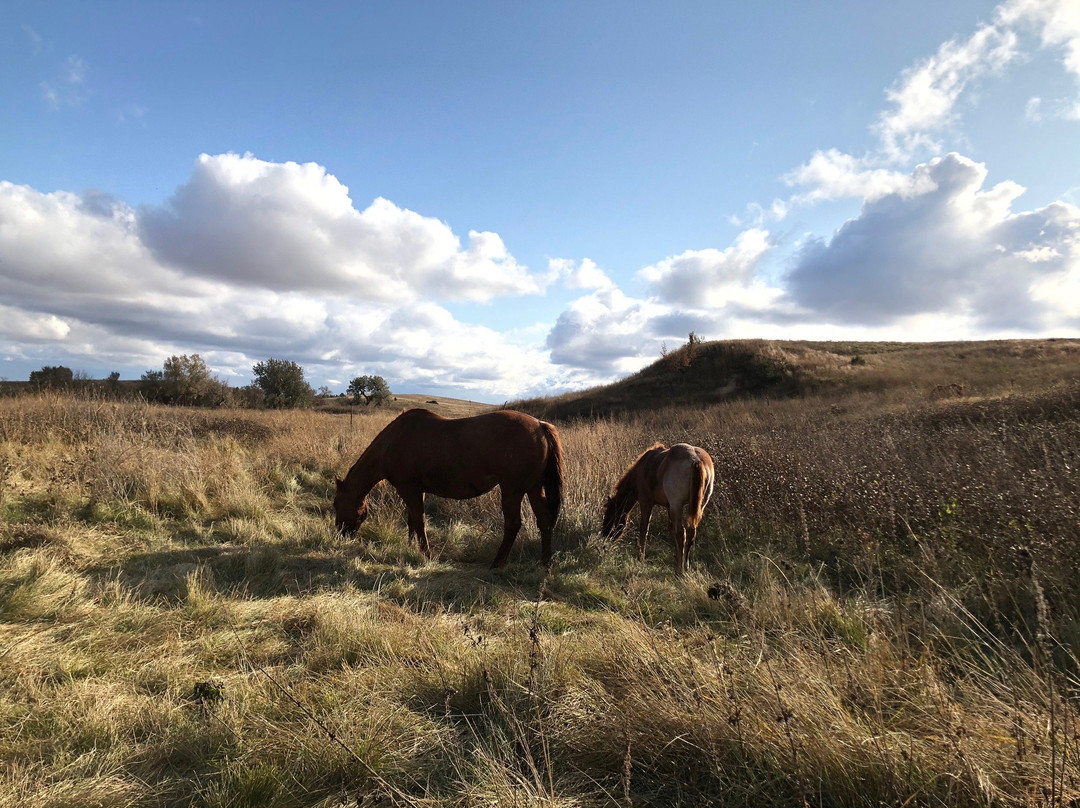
[
  {"x": 414, "y": 504},
  {"x": 643, "y": 528},
  {"x": 511, "y": 508}
]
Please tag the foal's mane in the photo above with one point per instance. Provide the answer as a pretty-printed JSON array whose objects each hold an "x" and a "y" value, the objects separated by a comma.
[{"x": 626, "y": 488}]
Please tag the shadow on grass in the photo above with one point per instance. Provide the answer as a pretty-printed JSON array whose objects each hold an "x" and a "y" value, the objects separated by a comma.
[{"x": 589, "y": 574}]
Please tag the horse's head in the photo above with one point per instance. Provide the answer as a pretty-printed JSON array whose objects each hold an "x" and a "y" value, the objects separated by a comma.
[
  {"x": 615, "y": 519},
  {"x": 348, "y": 513}
]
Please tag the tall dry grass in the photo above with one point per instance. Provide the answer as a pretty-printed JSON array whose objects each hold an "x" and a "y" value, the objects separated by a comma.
[{"x": 882, "y": 612}]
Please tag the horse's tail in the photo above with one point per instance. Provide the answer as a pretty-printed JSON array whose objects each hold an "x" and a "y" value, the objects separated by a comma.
[
  {"x": 553, "y": 471},
  {"x": 698, "y": 496}
]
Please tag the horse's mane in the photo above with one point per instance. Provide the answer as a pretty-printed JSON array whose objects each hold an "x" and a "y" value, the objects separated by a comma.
[
  {"x": 626, "y": 488},
  {"x": 369, "y": 455}
]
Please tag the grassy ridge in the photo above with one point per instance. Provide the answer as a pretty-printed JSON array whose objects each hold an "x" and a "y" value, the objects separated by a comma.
[
  {"x": 882, "y": 611},
  {"x": 703, "y": 373}
]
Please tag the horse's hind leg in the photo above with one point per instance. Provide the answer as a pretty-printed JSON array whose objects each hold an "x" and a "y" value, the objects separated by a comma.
[
  {"x": 511, "y": 508},
  {"x": 538, "y": 503},
  {"x": 692, "y": 522},
  {"x": 680, "y": 537}
]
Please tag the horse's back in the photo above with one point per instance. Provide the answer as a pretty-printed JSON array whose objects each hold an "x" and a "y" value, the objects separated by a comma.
[
  {"x": 502, "y": 432},
  {"x": 420, "y": 424},
  {"x": 682, "y": 466},
  {"x": 464, "y": 457},
  {"x": 691, "y": 454}
]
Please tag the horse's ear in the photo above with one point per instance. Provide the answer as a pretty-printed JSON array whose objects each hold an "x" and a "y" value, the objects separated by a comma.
[{"x": 338, "y": 481}]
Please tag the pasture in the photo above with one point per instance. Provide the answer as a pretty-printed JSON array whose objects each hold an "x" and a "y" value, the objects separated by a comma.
[{"x": 881, "y": 608}]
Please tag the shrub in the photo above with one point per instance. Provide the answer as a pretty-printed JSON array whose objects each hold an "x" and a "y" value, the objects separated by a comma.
[
  {"x": 283, "y": 384},
  {"x": 51, "y": 377},
  {"x": 184, "y": 380}
]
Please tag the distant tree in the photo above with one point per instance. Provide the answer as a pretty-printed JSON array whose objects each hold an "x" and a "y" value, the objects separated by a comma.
[
  {"x": 183, "y": 380},
  {"x": 151, "y": 385},
  {"x": 283, "y": 384},
  {"x": 51, "y": 377},
  {"x": 325, "y": 392},
  {"x": 188, "y": 381},
  {"x": 373, "y": 389},
  {"x": 112, "y": 384}
]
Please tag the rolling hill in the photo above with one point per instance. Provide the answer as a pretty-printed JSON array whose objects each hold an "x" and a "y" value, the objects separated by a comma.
[{"x": 702, "y": 373}]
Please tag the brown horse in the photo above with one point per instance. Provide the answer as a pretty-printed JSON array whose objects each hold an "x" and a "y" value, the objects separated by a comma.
[
  {"x": 420, "y": 453},
  {"x": 679, "y": 477}
]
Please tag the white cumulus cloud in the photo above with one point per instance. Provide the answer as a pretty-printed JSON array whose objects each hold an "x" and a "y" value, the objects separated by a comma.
[
  {"x": 606, "y": 333},
  {"x": 62, "y": 243},
  {"x": 924, "y": 98},
  {"x": 19, "y": 325},
  {"x": 290, "y": 226},
  {"x": 584, "y": 274},
  {"x": 832, "y": 174},
  {"x": 1058, "y": 25},
  {"x": 711, "y": 277},
  {"x": 954, "y": 249}
]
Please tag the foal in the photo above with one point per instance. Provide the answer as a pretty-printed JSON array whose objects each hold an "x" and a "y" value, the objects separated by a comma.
[{"x": 676, "y": 478}]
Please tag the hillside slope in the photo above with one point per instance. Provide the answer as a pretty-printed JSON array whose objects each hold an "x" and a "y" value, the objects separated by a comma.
[{"x": 713, "y": 372}]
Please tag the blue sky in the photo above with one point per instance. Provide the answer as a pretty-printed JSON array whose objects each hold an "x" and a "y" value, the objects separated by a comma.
[{"x": 492, "y": 200}]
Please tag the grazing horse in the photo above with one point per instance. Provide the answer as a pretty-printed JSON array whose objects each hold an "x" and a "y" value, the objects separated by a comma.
[
  {"x": 420, "y": 453},
  {"x": 679, "y": 477}
]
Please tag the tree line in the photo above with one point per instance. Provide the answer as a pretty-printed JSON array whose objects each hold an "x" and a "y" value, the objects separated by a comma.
[{"x": 187, "y": 381}]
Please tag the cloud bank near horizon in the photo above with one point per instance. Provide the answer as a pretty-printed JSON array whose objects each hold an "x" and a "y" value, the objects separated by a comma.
[{"x": 252, "y": 259}]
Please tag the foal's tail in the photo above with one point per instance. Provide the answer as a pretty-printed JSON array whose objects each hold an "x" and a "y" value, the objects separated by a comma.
[
  {"x": 699, "y": 494},
  {"x": 553, "y": 471}
]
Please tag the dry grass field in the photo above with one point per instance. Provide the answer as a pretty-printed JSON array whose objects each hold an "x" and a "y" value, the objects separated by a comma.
[{"x": 883, "y": 608}]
